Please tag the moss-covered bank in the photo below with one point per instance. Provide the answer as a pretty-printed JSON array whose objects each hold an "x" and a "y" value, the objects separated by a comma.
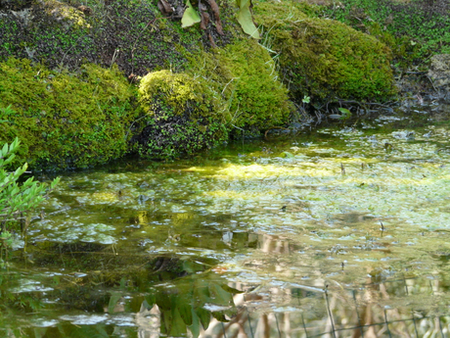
[
  {"x": 232, "y": 90},
  {"x": 74, "y": 108}
]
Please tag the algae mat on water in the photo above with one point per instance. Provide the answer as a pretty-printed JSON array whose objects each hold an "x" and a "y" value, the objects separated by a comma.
[{"x": 343, "y": 229}]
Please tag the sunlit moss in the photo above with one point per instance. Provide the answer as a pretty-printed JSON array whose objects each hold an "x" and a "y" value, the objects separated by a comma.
[
  {"x": 64, "y": 12},
  {"x": 245, "y": 76},
  {"x": 182, "y": 116},
  {"x": 65, "y": 120}
]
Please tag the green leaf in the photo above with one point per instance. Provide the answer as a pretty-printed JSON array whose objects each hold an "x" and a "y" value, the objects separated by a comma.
[
  {"x": 195, "y": 327},
  {"x": 345, "y": 113},
  {"x": 219, "y": 295},
  {"x": 178, "y": 326},
  {"x": 219, "y": 316},
  {"x": 149, "y": 301},
  {"x": 8, "y": 160},
  {"x": 5, "y": 149},
  {"x": 185, "y": 310},
  {"x": 201, "y": 295},
  {"x": 245, "y": 19},
  {"x": 190, "y": 16},
  {"x": 286, "y": 154},
  {"x": 205, "y": 317},
  {"x": 230, "y": 289},
  {"x": 115, "y": 297},
  {"x": 166, "y": 321},
  {"x": 162, "y": 302}
]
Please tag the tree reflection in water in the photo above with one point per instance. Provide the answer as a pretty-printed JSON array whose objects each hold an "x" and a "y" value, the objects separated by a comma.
[
  {"x": 380, "y": 307},
  {"x": 362, "y": 313}
]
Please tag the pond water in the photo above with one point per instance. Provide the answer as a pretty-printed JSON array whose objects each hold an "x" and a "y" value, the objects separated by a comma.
[{"x": 341, "y": 232}]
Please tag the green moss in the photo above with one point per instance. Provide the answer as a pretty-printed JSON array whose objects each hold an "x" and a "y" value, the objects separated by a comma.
[
  {"x": 64, "y": 12},
  {"x": 63, "y": 120},
  {"x": 325, "y": 59},
  {"x": 245, "y": 76},
  {"x": 182, "y": 116},
  {"x": 421, "y": 27}
]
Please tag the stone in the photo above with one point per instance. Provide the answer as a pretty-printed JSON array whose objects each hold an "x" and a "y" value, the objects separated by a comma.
[{"x": 439, "y": 71}]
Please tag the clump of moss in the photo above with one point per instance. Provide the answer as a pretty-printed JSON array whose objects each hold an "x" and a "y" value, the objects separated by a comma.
[
  {"x": 65, "y": 120},
  {"x": 325, "y": 59},
  {"x": 182, "y": 116},
  {"x": 245, "y": 76}
]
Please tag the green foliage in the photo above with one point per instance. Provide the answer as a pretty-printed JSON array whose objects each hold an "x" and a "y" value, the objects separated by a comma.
[
  {"x": 132, "y": 34},
  {"x": 16, "y": 199},
  {"x": 244, "y": 17},
  {"x": 245, "y": 76},
  {"x": 49, "y": 31},
  {"x": 65, "y": 120},
  {"x": 182, "y": 116},
  {"x": 345, "y": 113},
  {"x": 325, "y": 59}
]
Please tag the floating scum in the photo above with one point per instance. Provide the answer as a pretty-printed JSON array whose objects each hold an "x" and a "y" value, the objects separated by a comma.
[{"x": 372, "y": 185}]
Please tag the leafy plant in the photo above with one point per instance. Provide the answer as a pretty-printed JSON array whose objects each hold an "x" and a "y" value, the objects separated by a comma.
[
  {"x": 17, "y": 199},
  {"x": 190, "y": 306},
  {"x": 244, "y": 17},
  {"x": 345, "y": 113}
]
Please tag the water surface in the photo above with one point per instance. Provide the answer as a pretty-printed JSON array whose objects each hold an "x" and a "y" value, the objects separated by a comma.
[{"x": 342, "y": 232}]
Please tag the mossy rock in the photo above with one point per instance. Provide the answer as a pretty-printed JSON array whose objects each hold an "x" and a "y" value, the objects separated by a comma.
[
  {"x": 182, "y": 116},
  {"x": 245, "y": 76},
  {"x": 62, "y": 13},
  {"x": 325, "y": 59},
  {"x": 65, "y": 120}
]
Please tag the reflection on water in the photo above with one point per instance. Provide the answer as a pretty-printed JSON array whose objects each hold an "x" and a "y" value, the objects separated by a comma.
[
  {"x": 343, "y": 233},
  {"x": 375, "y": 310}
]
